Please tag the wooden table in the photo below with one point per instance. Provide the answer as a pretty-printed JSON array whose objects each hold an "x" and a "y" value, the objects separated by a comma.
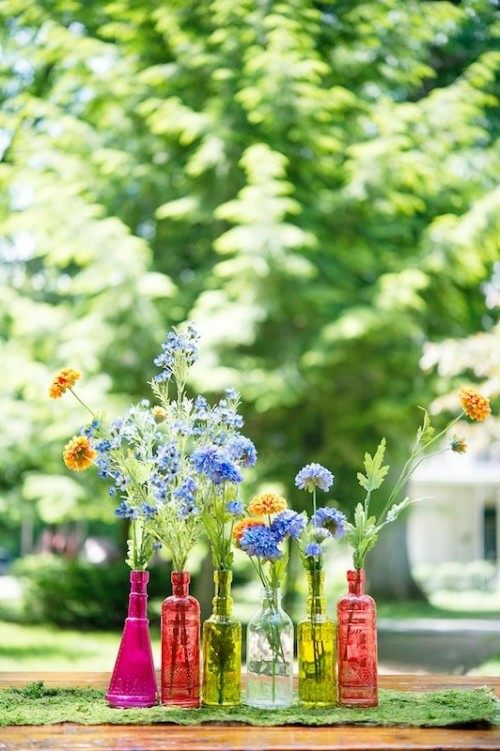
[{"x": 70, "y": 737}]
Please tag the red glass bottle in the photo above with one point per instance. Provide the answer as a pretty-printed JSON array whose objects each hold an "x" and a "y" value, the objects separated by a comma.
[
  {"x": 133, "y": 683},
  {"x": 180, "y": 645},
  {"x": 357, "y": 644}
]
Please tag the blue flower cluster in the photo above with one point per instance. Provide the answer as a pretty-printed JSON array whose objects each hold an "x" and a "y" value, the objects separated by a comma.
[
  {"x": 235, "y": 508},
  {"x": 260, "y": 541},
  {"x": 185, "y": 494},
  {"x": 288, "y": 522},
  {"x": 215, "y": 463},
  {"x": 330, "y": 519},
  {"x": 242, "y": 450},
  {"x": 167, "y": 461},
  {"x": 177, "y": 347},
  {"x": 314, "y": 476}
]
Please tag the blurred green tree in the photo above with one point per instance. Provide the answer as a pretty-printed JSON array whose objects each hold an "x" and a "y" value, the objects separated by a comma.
[{"x": 317, "y": 179}]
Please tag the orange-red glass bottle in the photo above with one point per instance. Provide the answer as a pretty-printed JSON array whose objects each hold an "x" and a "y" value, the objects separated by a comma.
[
  {"x": 180, "y": 645},
  {"x": 357, "y": 644}
]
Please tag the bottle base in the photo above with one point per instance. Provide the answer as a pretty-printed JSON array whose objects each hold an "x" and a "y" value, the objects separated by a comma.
[
  {"x": 317, "y": 704},
  {"x": 264, "y": 704},
  {"x": 193, "y": 704},
  {"x": 223, "y": 704},
  {"x": 358, "y": 702},
  {"x": 130, "y": 702}
]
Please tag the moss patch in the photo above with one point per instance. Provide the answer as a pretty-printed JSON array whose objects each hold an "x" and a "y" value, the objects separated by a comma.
[{"x": 37, "y": 705}]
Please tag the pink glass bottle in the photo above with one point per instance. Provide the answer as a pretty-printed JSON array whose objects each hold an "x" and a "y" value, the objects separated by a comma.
[
  {"x": 180, "y": 645},
  {"x": 357, "y": 644},
  {"x": 133, "y": 683}
]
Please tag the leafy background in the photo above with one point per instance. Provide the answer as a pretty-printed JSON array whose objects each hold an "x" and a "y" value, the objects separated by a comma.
[{"x": 315, "y": 183}]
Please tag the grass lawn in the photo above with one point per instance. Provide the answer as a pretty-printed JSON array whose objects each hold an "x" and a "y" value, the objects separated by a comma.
[
  {"x": 46, "y": 648},
  {"x": 445, "y": 605}
]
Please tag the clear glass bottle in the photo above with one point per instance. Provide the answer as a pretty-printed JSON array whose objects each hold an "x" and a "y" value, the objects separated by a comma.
[
  {"x": 357, "y": 644},
  {"x": 222, "y": 648},
  {"x": 316, "y": 648},
  {"x": 270, "y": 655},
  {"x": 133, "y": 682},
  {"x": 180, "y": 645}
]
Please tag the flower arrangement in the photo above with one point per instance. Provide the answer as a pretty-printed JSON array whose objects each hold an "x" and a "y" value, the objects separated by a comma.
[
  {"x": 263, "y": 536},
  {"x": 363, "y": 531},
  {"x": 316, "y": 635}
]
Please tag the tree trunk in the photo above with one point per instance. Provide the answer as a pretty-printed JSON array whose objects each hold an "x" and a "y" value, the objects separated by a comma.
[{"x": 388, "y": 566}]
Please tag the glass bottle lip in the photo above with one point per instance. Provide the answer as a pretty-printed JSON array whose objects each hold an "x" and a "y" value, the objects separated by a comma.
[
  {"x": 223, "y": 574},
  {"x": 180, "y": 577},
  {"x": 266, "y": 592},
  {"x": 356, "y": 575},
  {"x": 139, "y": 577}
]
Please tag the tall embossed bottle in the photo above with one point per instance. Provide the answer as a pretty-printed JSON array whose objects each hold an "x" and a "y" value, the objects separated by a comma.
[
  {"x": 357, "y": 644},
  {"x": 316, "y": 648},
  {"x": 180, "y": 645},
  {"x": 222, "y": 648},
  {"x": 133, "y": 683}
]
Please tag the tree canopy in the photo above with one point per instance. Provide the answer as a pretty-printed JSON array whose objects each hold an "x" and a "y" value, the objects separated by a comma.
[{"x": 313, "y": 182}]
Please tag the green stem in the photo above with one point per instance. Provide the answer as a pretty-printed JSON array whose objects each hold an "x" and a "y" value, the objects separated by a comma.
[{"x": 83, "y": 403}]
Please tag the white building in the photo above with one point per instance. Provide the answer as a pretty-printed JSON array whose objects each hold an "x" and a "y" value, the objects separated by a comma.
[{"x": 460, "y": 521}]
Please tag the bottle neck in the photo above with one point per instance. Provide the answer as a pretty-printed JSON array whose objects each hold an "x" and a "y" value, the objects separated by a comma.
[
  {"x": 316, "y": 602},
  {"x": 271, "y": 598},
  {"x": 138, "y": 599},
  {"x": 180, "y": 583},
  {"x": 223, "y": 602},
  {"x": 356, "y": 582}
]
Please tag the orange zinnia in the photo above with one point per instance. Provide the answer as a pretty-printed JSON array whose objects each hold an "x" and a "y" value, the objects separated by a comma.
[
  {"x": 78, "y": 454},
  {"x": 475, "y": 405},
  {"x": 62, "y": 381},
  {"x": 267, "y": 503},
  {"x": 242, "y": 525}
]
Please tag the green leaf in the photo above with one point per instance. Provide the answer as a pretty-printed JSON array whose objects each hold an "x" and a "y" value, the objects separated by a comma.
[{"x": 375, "y": 470}]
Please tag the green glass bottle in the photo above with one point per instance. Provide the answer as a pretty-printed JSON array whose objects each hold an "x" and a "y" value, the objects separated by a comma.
[
  {"x": 222, "y": 648},
  {"x": 316, "y": 648}
]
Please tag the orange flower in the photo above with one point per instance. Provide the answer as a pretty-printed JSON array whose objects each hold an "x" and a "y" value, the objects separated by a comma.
[
  {"x": 475, "y": 406},
  {"x": 242, "y": 525},
  {"x": 267, "y": 503},
  {"x": 78, "y": 454},
  {"x": 62, "y": 381}
]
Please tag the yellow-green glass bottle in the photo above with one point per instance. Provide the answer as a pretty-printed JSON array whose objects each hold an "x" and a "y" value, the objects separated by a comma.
[
  {"x": 316, "y": 648},
  {"x": 222, "y": 648}
]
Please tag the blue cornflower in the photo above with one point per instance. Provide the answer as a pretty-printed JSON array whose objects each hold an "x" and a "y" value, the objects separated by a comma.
[
  {"x": 242, "y": 450},
  {"x": 187, "y": 509},
  {"x": 226, "y": 416},
  {"x": 167, "y": 460},
  {"x": 178, "y": 346},
  {"x": 260, "y": 541},
  {"x": 124, "y": 511},
  {"x": 213, "y": 462},
  {"x": 159, "y": 485},
  {"x": 236, "y": 508},
  {"x": 288, "y": 522},
  {"x": 187, "y": 490},
  {"x": 314, "y": 476},
  {"x": 102, "y": 446},
  {"x": 313, "y": 550},
  {"x": 148, "y": 511},
  {"x": 91, "y": 429},
  {"x": 331, "y": 519},
  {"x": 232, "y": 394}
]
